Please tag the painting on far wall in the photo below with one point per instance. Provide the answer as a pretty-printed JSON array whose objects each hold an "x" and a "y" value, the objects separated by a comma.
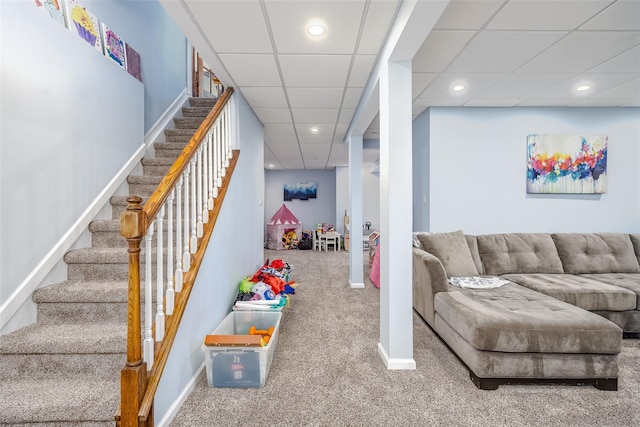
[
  {"x": 51, "y": 8},
  {"x": 300, "y": 190},
  {"x": 567, "y": 164}
]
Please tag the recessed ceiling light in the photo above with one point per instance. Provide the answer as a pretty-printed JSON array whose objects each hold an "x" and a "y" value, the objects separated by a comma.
[
  {"x": 582, "y": 88},
  {"x": 270, "y": 165},
  {"x": 315, "y": 30},
  {"x": 457, "y": 88},
  {"x": 315, "y": 130}
]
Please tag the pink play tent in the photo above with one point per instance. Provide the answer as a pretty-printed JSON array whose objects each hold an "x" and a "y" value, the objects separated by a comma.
[{"x": 283, "y": 224}]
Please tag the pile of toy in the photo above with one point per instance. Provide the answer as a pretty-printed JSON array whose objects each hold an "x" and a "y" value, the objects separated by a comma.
[{"x": 269, "y": 288}]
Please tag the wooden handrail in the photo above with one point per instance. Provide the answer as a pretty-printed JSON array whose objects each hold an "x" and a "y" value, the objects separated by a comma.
[
  {"x": 181, "y": 303},
  {"x": 160, "y": 195},
  {"x": 138, "y": 386}
]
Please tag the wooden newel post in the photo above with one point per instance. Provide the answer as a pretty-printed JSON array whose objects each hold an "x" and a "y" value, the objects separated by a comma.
[{"x": 133, "y": 378}]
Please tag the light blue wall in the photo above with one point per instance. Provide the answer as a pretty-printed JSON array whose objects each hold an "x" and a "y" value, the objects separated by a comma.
[
  {"x": 235, "y": 251},
  {"x": 70, "y": 121},
  {"x": 309, "y": 212},
  {"x": 421, "y": 169},
  {"x": 477, "y": 170},
  {"x": 147, "y": 27}
]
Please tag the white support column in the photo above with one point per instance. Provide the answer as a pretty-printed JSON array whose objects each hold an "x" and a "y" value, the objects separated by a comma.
[
  {"x": 396, "y": 208},
  {"x": 356, "y": 261}
]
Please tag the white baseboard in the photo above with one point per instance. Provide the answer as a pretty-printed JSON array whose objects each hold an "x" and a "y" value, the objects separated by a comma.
[
  {"x": 395, "y": 364},
  {"x": 34, "y": 280},
  {"x": 356, "y": 285},
  {"x": 156, "y": 133},
  {"x": 177, "y": 404}
]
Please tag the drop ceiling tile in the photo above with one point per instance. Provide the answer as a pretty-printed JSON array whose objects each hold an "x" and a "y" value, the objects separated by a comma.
[
  {"x": 622, "y": 15},
  {"x": 252, "y": 70},
  {"x": 590, "y": 102},
  {"x": 439, "y": 49},
  {"x": 442, "y": 102},
  {"x": 233, "y": 26},
  {"x": 315, "y": 70},
  {"x": 341, "y": 128},
  {"x": 304, "y": 97},
  {"x": 522, "y": 85},
  {"x": 545, "y": 14},
  {"x": 626, "y": 62},
  {"x": 273, "y": 115},
  {"x": 419, "y": 81},
  {"x": 581, "y": 50},
  {"x": 315, "y": 139},
  {"x": 289, "y": 20},
  {"x": 351, "y": 97},
  {"x": 315, "y": 150},
  {"x": 278, "y": 129},
  {"x": 361, "y": 69},
  {"x": 440, "y": 87},
  {"x": 346, "y": 114},
  {"x": 630, "y": 89},
  {"x": 264, "y": 97},
  {"x": 546, "y": 102},
  {"x": 323, "y": 129},
  {"x": 315, "y": 115},
  {"x": 467, "y": 15},
  {"x": 502, "y": 51},
  {"x": 338, "y": 139},
  {"x": 599, "y": 83},
  {"x": 476, "y": 102},
  {"x": 377, "y": 23},
  {"x": 280, "y": 139}
]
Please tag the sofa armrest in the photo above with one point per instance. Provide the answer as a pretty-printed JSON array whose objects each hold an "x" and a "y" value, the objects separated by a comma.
[{"x": 429, "y": 278}]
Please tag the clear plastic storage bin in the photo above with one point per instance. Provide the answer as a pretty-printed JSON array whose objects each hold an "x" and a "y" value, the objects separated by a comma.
[{"x": 244, "y": 367}]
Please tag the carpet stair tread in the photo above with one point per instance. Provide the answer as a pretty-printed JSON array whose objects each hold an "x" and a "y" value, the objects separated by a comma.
[
  {"x": 83, "y": 338},
  {"x": 76, "y": 291},
  {"x": 62, "y": 402}
]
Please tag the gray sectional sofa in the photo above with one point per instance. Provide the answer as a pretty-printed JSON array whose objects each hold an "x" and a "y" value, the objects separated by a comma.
[{"x": 557, "y": 315}]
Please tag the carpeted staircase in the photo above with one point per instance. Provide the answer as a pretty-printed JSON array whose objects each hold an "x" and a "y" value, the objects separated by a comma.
[{"x": 65, "y": 369}]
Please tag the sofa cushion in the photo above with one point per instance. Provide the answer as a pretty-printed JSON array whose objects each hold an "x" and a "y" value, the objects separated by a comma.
[
  {"x": 518, "y": 253},
  {"x": 588, "y": 253},
  {"x": 635, "y": 240},
  {"x": 581, "y": 291},
  {"x": 629, "y": 281},
  {"x": 472, "y": 241},
  {"x": 514, "y": 319},
  {"x": 452, "y": 250}
]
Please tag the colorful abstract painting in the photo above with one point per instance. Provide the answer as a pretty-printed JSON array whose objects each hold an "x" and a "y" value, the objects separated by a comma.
[
  {"x": 133, "y": 62},
  {"x": 113, "y": 46},
  {"x": 573, "y": 164},
  {"x": 83, "y": 23},
  {"x": 51, "y": 8},
  {"x": 300, "y": 190}
]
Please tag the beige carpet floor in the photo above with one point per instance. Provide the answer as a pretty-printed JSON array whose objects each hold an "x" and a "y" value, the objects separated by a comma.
[{"x": 326, "y": 371}]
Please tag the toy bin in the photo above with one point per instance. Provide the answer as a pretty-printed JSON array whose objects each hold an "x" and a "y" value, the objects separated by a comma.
[{"x": 242, "y": 366}]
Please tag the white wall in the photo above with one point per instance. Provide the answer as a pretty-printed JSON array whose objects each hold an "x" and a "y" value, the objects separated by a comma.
[
  {"x": 371, "y": 198},
  {"x": 147, "y": 27},
  {"x": 235, "y": 251},
  {"x": 477, "y": 171},
  {"x": 70, "y": 120},
  {"x": 342, "y": 196},
  {"x": 309, "y": 212}
]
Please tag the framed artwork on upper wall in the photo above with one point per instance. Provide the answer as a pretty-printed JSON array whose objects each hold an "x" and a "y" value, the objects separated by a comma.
[
  {"x": 113, "y": 46},
  {"x": 83, "y": 23},
  {"x": 133, "y": 62},
  {"x": 53, "y": 8},
  {"x": 567, "y": 164}
]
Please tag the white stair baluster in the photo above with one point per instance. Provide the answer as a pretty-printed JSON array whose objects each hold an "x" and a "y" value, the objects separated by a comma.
[
  {"x": 186, "y": 256},
  {"x": 219, "y": 153},
  {"x": 179, "y": 277},
  {"x": 198, "y": 208},
  {"x": 170, "y": 297},
  {"x": 148, "y": 301},
  {"x": 194, "y": 237},
  {"x": 160, "y": 277},
  {"x": 210, "y": 186}
]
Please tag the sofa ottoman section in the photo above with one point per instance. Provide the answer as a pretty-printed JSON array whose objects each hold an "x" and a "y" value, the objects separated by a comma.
[
  {"x": 580, "y": 291},
  {"x": 511, "y": 335}
]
